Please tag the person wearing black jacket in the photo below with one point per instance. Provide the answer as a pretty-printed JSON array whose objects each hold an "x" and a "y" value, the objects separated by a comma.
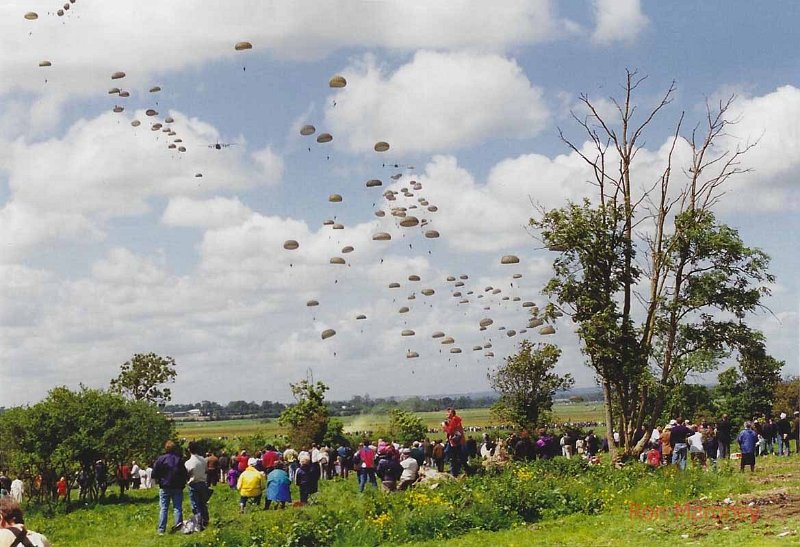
[
  {"x": 678, "y": 436},
  {"x": 724, "y": 437}
]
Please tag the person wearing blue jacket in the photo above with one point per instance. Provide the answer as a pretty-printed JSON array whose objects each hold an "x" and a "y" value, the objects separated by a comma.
[{"x": 747, "y": 440}]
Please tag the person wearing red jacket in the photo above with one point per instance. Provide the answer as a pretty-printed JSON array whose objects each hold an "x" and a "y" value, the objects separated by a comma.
[{"x": 456, "y": 441}]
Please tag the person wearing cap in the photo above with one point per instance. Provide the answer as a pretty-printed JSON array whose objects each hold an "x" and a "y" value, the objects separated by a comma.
[
  {"x": 12, "y": 527},
  {"x": 410, "y": 467},
  {"x": 747, "y": 440},
  {"x": 251, "y": 485},
  {"x": 784, "y": 433}
]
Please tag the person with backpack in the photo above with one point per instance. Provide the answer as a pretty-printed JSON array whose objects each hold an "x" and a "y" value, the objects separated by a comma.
[
  {"x": 171, "y": 475},
  {"x": 12, "y": 527}
]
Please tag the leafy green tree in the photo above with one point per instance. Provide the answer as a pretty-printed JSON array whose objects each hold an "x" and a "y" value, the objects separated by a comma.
[
  {"x": 307, "y": 419},
  {"x": 750, "y": 390},
  {"x": 787, "y": 396},
  {"x": 658, "y": 287},
  {"x": 142, "y": 377},
  {"x": 405, "y": 427},
  {"x": 70, "y": 430},
  {"x": 526, "y": 384}
]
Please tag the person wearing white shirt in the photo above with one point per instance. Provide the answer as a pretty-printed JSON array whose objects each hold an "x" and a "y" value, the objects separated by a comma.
[
  {"x": 696, "y": 451},
  {"x": 410, "y": 469}
]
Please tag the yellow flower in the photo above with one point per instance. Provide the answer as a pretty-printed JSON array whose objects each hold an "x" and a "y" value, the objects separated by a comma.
[{"x": 382, "y": 520}]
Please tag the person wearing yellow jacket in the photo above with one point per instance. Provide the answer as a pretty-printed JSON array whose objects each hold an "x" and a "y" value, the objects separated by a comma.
[{"x": 251, "y": 485}]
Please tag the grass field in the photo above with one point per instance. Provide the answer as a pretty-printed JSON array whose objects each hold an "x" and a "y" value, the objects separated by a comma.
[
  {"x": 772, "y": 494},
  {"x": 578, "y": 412}
]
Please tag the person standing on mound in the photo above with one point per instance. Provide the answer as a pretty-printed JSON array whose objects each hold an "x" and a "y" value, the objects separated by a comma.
[{"x": 455, "y": 447}]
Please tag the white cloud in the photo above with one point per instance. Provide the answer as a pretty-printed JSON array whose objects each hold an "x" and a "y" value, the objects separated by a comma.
[
  {"x": 67, "y": 188},
  {"x": 436, "y": 102},
  {"x": 618, "y": 21},
  {"x": 212, "y": 213},
  {"x": 149, "y": 38}
]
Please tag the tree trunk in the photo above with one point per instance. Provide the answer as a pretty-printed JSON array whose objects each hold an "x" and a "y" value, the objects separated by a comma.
[{"x": 608, "y": 417}]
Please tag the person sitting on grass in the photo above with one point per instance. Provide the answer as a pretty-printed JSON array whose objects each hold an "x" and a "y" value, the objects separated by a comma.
[
  {"x": 12, "y": 527},
  {"x": 307, "y": 478},
  {"x": 278, "y": 486},
  {"x": 251, "y": 485}
]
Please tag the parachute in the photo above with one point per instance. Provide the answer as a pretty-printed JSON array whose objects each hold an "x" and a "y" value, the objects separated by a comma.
[
  {"x": 409, "y": 222},
  {"x": 151, "y": 112},
  {"x": 337, "y": 81},
  {"x": 381, "y": 146},
  {"x": 31, "y": 16},
  {"x": 241, "y": 46},
  {"x": 335, "y": 198},
  {"x": 407, "y": 332},
  {"x": 347, "y": 249},
  {"x": 290, "y": 245},
  {"x": 413, "y": 278},
  {"x": 312, "y": 303},
  {"x": 45, "y": 63},
  {"x": 381, "y": 236},
  {"x": 448, "y": 340},
  {"x": 118, "y": 109},
  {"x": 373, "y": 183},
  {"x": 337, "y": 260},
  {"x": 380, "y": 214},
  {"x": 509, "y": 259},
  {"x": 404, "y": 309},
  {"x": 113, "y": 90},
  {"x": 455, "y": 350},
  {"x": 360, "y": 317},
  {"x": 428, "y": 292},
  {"x": 546, "y": 330},
  {"x": 438, "y": 334},
  {"x": 412, "y": 355},
  {"x": 486, "y": 322},
  {"x": 155, "y": 89},
  {"x": 136, "y": 123},
  {"x": 327, "y": 333},
  {"x": 431, "y": 234},
  {"x": 117, "y": 75},
  {"x": 324, "y": 137}
]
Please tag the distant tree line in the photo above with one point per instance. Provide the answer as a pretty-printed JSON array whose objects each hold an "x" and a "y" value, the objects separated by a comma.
[{"x": 359, "y": 404}]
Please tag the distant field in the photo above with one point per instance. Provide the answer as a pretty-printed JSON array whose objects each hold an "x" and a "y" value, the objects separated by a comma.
[{"x": 481, "y": 417}]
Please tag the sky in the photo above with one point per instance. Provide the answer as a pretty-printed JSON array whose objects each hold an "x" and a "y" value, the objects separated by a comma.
[{"x": 113, "y": 244}]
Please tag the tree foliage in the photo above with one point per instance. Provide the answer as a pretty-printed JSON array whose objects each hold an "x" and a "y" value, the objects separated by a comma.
[
  {"x": 405, "y": 427},
  {"x": 142, "y": 377},
  {"x": 749, "y": 390},
  {"x": 307, "y": 419},
  {"x": 526, "y": 384},
  {"x": 787, "y": 396},
  {"x": 658, "y": 287},
  {"x": 70, "y": 430}
]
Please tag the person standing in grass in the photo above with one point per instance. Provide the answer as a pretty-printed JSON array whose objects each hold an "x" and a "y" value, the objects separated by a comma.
[
  {"x": 212, "y": 469},
  {"x": 12, "y": 528},
  {"x": 251, "y": 485},
  {"x": 278, "y": 484},
  {"x": 197, "y": 469},
  {"x": 366, "y": 466},
  {"x": 747, "y": 440},
  {"x": 455, "y": 449},
  {"x": 171, "y": 476},
  {"x": 796, "y": 431},
  {"x": 784, "y": 433},
  {"x": 307, "y": 478},
  {"x": 724, "y": 430},
  {"x": 678, "y": 438}
]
